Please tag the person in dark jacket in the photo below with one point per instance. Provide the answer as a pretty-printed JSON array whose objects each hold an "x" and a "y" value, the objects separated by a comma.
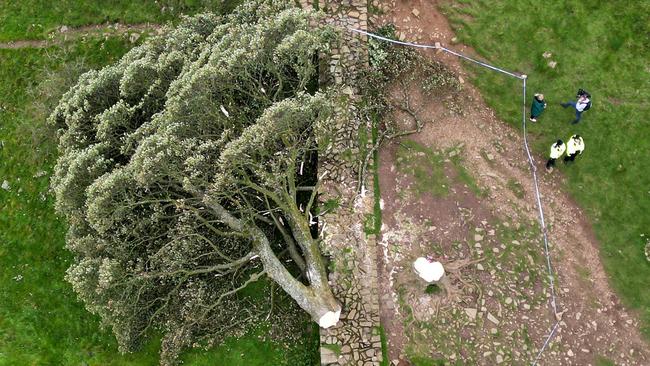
[{"x": 537, "y": 107}]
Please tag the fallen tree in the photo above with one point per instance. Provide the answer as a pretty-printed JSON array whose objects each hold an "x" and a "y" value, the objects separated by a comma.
[{"x": 187, "y": 171}]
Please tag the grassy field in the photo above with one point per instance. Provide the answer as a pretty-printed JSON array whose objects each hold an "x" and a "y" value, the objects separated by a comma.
[
  {"x": 41, "y": 321},
  {"x": 34, "y": 19},
  {"x": 603, "y": 47}
]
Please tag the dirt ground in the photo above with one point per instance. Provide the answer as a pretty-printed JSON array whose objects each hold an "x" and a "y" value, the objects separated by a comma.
[{"x": 495, "y": 310}]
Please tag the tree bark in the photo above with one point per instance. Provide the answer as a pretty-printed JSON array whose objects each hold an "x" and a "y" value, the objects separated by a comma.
[{"x": 317, "y": 300}]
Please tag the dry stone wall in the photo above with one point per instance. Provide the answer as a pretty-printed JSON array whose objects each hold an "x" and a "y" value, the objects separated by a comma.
[{"x": 355, "y": 340}]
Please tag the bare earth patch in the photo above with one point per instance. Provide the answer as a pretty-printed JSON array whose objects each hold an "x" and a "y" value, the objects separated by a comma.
[{"x": 470, "y": 204}]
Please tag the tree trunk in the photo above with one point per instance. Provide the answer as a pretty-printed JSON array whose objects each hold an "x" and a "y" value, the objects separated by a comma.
[{"x": 317, "y": 300}]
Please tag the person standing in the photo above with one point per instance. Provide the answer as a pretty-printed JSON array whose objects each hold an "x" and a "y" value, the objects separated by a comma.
[
  {"x": 537, "y": 107},
  {"x": 581, "y": 104},
  {"x": 557, "y": 149},
  {"x": 574, "y": 147}
]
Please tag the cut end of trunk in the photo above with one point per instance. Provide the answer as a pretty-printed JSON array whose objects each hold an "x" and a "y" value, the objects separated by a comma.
[
  {"x": 429, "y": 271},
  {"x": 329, "y": 319}
]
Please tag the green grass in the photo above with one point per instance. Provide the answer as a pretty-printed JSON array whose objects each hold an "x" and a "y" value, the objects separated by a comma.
[
  {"x": 336, "y": 348},
  {"x": 602, "y": 47},
  {"x": 466, "y": 178},
  {"x": 41, "y": 320},
  {"x": 425, "y": 165},
  {"x": 384, "y": 347},
  {"x": 34, "y": 19},
  {"x": 375, "y": 177},
  {"x": 604, "y": 361},
  {"x": 426, "y": 361},
  {"x": 516, "y": 188}
]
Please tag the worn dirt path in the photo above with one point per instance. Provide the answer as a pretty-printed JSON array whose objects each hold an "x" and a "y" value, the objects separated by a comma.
[
  {"x": 62, "y": 35},
  {"x": 595, "y": 323}
]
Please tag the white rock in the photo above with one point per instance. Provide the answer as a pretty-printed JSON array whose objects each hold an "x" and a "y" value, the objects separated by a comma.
[
  {"x": 5, "y": 185},
  {"x": 471, "y": 313},
  {"x": 416, "y": 12},
  {"x": 429, "y": 271}
]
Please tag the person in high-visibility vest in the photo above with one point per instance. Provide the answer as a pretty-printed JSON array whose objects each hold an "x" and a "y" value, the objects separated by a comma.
[
  {"x": 574, "y": 147},
  {"x": 557, "y": 149}
]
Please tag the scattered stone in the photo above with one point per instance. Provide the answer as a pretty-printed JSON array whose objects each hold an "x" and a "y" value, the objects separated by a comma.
[
  {"x": 5, "y": 185},
  {"x": 490, "y": 157},
  {"x": 492, "y": 319},
  {"x": 416, "y": 12},
  {"x": 327, "y": 356},
  {"x": 526, "y": 306},
  {"x": 547, "y": 54},
  {"x": 478, "y": 237},
  {"x": 552, "y": 64},
  {"x": 499, "y": 358},
  {"x": 486, "y": 354},
  {"x": 494, "y": 331},
  {"x": 471, "y": 313},
  {"x": 570, "y": 353},
  {"x": 479, "y": 266},
  {"x": 508, "y": 300},
  {"x": 134, "y": 37},
  {"x": 63, "y": 29},
  {"x": 454, "y": 40}
]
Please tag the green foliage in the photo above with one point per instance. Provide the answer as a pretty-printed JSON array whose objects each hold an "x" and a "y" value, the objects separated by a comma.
[
  {"x": 602, "y": 47},
  {"x": 216, "y": 109},
  {"x": 432, "y": 289},
  {"x": 41, "y": 322},
  {"x": 377, "y": 49}
]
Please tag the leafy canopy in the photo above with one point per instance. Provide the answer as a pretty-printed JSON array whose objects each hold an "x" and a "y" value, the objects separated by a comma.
[{"x": 219, "y": 107}]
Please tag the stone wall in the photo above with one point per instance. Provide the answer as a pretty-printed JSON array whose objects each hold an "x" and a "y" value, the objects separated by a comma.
[{"x": 355, "y": 340}]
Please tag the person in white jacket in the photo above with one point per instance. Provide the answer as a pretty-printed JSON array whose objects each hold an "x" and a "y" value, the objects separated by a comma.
[{"x": 581, "y": 104}]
